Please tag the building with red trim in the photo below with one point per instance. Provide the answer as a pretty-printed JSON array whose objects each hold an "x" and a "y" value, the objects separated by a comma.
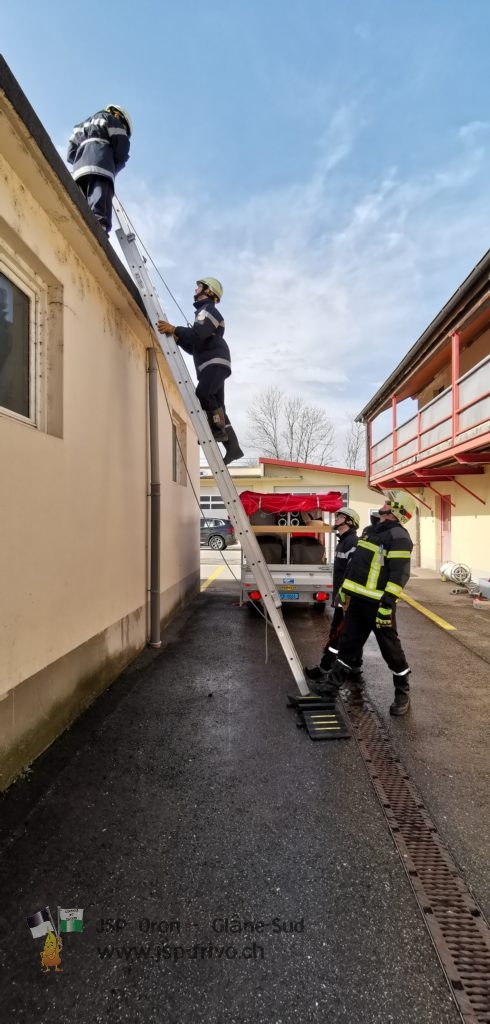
[
  {"x": 439, "y": 450},
  {"x": 281, "y": 476}
]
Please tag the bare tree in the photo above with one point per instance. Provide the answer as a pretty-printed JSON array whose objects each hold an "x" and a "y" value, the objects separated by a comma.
[
  {"x": 264, "y": 415},
  {"x": 284, "y": 427},
  {"x": 355, "y": 446}
]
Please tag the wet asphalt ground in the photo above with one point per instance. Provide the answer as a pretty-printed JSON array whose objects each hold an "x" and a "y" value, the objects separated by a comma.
[{"x": 230, "y": 869}]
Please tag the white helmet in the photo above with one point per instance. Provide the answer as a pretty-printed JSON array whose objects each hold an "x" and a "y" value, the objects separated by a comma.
[
  {"x": 349, "y": 513},
  {"x": 114, "y": 108}
]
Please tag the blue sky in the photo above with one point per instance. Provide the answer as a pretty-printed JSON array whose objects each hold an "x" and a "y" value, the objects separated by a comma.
[{"x": 327, "y": 160}]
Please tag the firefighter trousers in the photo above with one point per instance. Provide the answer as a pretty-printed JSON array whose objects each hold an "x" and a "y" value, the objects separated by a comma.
[
  {"x": 98, "y": 192},
  {"x": 359, "y": 622},
  {"x": 210, "y": 388},
  {"x": 336, "y": 627}
]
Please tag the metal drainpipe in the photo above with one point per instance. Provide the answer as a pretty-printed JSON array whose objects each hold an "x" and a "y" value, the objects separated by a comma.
[
  {"x": 417, "y": 550},
  {"x": 154, "y": 639}
]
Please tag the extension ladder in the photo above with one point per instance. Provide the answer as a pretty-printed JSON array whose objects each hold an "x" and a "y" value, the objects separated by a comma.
[{"x": 226, "y": 487}]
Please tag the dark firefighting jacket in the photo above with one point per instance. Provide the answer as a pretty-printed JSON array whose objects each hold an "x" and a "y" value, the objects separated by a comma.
[
  {"x": 99, "y": 145},
  {"x": 343, "y": 553},
  {"x": 205, "y": 339},
  {"x": 380, "y": 566}
]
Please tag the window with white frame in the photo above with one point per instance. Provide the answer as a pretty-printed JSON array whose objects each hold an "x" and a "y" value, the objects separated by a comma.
[
  {"x": 31, "y": 341},
  {"x": 212, "y": 503},
  {"x": 17, "y": 347}
]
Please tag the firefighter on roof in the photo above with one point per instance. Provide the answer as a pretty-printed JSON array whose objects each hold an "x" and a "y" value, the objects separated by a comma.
[
  {"x": 378, "y": 571},
  {"x": 205, "y": 342},
  {"x": 98, "y": 149}
]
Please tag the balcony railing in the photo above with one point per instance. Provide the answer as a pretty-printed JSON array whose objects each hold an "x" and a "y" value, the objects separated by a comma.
[{"x": 450, "y": 419}]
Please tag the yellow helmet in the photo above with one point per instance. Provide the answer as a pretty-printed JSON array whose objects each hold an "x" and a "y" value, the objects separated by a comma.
[
  {"x": 114, "y": 108},
  {"x": 402, "y": 505},
  {"x": 213, "y": 284}
]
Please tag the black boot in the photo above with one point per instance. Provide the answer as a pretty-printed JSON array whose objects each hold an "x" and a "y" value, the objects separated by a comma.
[
  {"x": 318, "y": 671},
  {"x": 314, "y": 673},
  {"x": 216, "y": 419},
  {"x": 401, "y": 702},
  {"x": 232, "y": 448},
  {"x": 356, "y": 678},
  {"x": 331, "y": 681}
]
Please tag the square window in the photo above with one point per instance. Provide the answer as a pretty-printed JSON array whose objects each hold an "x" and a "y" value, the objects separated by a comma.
[
  {"x": 17, "y": 349},
  {"x": 31, "y": 340}
]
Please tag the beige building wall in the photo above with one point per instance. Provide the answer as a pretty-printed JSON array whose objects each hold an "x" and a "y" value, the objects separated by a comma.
[
  {"x": 470, "y": 356},
  {"x": 430, "y": 548},
  {"x": 470, "y": 522},
  {"x": 474, "y": 353},
  {"x": 73, "y": 503}
]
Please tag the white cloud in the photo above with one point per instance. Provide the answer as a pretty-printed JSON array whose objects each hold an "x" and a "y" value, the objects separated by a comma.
[
  {"x": 474, "y": 130},
  {"x": 339, "y": 138},
  {"x": 323, "y": 295}
]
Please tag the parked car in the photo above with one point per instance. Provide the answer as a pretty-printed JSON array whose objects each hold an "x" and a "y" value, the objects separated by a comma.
[{"x": 217, "y": 533}]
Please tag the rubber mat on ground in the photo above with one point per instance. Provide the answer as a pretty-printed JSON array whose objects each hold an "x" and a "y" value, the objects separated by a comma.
[{"x": 322, "y": 718}]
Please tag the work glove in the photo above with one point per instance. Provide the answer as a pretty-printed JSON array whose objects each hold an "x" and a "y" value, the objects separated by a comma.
[
  {"x": 165, "y": 328},
  {"x": 343, "y": 599},
  {"x": 384, "y": 617}
]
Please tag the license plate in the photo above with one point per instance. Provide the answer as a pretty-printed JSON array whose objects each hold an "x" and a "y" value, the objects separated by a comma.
[{"x": 288, "y": 595}]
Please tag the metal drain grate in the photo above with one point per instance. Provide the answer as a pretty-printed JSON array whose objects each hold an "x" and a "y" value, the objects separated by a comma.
[{"x": 458, "y": 930}]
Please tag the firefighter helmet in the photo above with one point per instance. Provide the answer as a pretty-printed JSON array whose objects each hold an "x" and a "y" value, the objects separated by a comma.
[
  {"x": 349, "y": 513},
  {"x": 213, "y": 284},
  {"x": 401, "y": 505},
  {"x": 114, "y": 108}
]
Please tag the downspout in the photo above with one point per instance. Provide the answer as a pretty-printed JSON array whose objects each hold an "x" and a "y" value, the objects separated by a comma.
[
  {"x": 369, "y": 451},
  {"x": 417, "y": 551},
  {"x": 154, "y": 638}
]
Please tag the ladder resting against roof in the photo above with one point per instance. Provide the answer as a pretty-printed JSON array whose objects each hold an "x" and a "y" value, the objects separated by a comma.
[{"x": 198, "y": 418}]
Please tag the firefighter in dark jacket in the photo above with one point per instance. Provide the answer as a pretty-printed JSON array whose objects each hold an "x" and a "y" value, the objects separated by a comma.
[
  {"x": 98, "y": 149},
  {"x": 205, "y": 342},
  {"x": 378, "y": 571},
  {"x": 346, "y": 524}
]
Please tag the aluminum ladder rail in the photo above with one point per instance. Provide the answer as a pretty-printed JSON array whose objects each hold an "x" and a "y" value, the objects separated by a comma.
[{"x": 226, "y": 487}]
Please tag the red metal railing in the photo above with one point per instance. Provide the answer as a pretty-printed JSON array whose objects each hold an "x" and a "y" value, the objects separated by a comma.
[{"x": 445, "y": 421}]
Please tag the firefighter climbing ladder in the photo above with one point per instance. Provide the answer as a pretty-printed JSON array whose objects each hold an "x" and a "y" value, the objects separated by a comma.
[{"x": 226, "y": 487}]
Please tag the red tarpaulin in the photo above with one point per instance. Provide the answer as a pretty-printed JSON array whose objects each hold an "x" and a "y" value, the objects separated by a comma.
[{"x": 252, "y": 501}]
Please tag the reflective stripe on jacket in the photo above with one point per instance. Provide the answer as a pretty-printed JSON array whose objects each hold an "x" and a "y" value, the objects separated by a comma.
[
  {"x": 343, "y": 553},
  {"x": 204, "y": 341},
  {"x": 380, "y": 566},
  {"x": 99, "y": 145}
]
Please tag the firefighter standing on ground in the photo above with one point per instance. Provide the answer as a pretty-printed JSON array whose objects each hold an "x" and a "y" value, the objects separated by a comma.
[
  {"x": 378, "y": 571},
  {"x": 346, "y": 525},
  {"x": 205, "y": 342},
  {"x": 98, "y": 149}
]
